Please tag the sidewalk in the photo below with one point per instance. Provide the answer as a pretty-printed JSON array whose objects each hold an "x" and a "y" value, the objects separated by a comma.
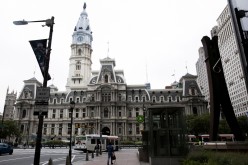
[{"x": 123, "y": 157}]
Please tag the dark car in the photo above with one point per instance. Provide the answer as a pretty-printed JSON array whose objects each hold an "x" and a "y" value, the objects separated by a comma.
[{"x": 5, "y": 149}]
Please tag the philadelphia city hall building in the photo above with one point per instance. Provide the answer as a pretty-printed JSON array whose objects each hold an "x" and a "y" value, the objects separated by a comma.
[{"x": 104, "y": 102}]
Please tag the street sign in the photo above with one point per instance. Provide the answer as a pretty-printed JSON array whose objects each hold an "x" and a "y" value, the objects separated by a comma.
[
  {"x": 140, "y": 118},
  {"x": 42, "y": 94}
]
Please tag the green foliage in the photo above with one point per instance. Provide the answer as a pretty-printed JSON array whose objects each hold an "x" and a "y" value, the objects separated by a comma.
[
  {"x": 198, "y": 124},
  {"x": 243, "y": 123},
  {"x": 127, "y": 142},
  {"x": 9, "y": 129},
  {"x": 224, "y": 127},
  {"x": 54, "y": 142},
  {"x": 216, "y": 158}
]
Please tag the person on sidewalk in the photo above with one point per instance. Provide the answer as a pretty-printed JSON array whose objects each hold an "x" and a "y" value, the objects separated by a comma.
[{"x": 110, "y": 150}]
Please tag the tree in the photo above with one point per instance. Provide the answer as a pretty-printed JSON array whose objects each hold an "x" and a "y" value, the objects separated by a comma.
[
  {"x": 224, "y": 127},
  {"x": 10, "y": 129},
  {"x": 243, "y": 123},
  {"x": 198, "y": 124}
]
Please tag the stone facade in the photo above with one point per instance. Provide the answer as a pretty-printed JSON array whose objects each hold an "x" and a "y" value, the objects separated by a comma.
[{"x": 104, "y": 101}]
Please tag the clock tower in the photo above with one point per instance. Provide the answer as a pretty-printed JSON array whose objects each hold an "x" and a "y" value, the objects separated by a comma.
[{"x": 80, "y": 59}]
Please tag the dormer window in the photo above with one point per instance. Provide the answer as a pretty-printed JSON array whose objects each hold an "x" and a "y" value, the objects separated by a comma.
[
  {"x": 106, "y": 78},
  {"x": 192, "y": 91}
]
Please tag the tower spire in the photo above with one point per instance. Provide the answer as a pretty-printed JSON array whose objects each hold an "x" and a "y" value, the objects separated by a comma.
[
  {"x": 84, "y": 5},
  {"x": 108, "y": 49}
]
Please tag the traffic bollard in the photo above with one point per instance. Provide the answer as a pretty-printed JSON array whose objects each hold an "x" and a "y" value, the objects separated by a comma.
[
  {"x": 92, "y": 155},
  {"x": 87, "y": 156}
]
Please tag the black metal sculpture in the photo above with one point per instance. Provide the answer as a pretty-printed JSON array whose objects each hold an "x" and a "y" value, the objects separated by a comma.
[{"x": 219, "y": 97}]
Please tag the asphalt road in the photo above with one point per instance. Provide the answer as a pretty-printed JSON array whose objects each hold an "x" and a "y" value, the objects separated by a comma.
[{"x": 26, "y": 156}]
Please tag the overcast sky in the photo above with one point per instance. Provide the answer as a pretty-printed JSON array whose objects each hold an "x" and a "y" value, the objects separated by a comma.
[{"x": 150, "y": 39}]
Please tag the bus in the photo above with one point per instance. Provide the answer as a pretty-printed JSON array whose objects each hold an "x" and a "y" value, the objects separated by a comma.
[
  {"x": 90, "y": 141},
  {"x": 221, "y": 137},
  {"x": 80, "y": 143}
]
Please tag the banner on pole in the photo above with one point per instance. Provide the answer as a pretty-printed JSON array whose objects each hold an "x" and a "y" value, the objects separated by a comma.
[{"x": 39, "y": 48}]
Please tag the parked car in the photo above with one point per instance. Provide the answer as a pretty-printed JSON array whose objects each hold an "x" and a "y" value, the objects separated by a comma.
[{"x": 6, "y": 149}]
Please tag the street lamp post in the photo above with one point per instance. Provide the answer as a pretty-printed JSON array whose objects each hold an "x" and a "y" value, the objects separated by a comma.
[
  {"x": 72, "y": 106},
  {"x": 49, "y": 23}
]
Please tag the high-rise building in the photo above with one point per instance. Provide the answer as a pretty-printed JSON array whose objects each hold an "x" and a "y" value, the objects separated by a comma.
[
  {"x": 104, "y": 101},
  {"x": 231, "y": 63},
  {"x": 202, "y": 78}
]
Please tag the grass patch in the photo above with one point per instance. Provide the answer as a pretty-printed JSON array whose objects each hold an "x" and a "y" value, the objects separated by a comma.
[{"x": 203, "y": 157}]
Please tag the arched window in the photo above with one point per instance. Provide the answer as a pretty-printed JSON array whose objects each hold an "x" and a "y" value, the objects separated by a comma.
[
  {"x": 106, "y": 78},
  {"x": 79, "y": 52},
  {"x": 22, "y": 128},
  {"x": 78, "y": 65},
  {"x": 24, "y": 113},
  {"x": 194, "y": 110},
  {"x": 105, "y": 112}
]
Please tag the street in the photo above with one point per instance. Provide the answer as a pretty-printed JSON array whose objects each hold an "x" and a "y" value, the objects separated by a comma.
[{"x": 26, "y": 156}]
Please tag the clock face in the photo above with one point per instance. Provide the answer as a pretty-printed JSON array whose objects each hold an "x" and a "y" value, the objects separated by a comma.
[{"x": 80, "y": 39}]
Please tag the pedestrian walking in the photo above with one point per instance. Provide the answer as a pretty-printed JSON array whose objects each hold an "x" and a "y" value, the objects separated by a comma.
[{"x": 110, "y": 150}]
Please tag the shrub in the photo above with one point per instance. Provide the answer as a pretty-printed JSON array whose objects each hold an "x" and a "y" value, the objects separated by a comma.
[{"x": 216, "y": 158}]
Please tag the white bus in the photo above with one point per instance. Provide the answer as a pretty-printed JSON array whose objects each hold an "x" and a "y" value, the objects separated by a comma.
[
  {"x": 90, "y": 141},
  {"x": 80, "y": 143}
]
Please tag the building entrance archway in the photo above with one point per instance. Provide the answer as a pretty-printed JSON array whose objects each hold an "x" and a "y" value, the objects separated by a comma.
[{"x": 105, "y": 131}]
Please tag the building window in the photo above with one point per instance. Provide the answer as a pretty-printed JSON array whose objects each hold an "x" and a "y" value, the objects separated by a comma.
[
  {"x": 77, "y": 125},
  {"x": 54, "y": 101},
  {"x": 178, "y": 98},
  {"x": 61, "y": 114},
  {"x": 60, "y": 129},
  {"x": 70, "y": 99},
  {"x": 136, "y": 98},
  {"x": 24, "y": 113},
  {"x": 119, "y": 97},
  {"x": 61, "y": 101},
  {"x": 52, "y": 129},
  {"x": 195, "y": 111},
  {"x": 78, "y": 66},
  {"x": 143, "y": 98},
  {"x": 137, "y": 112},
  {"x": 192, "y": 91},
  {"x": 153, "y": 99},
  {"x": 106, "y": 78},
  {"x": 162, "y": 99},
  {"x": 45, "y": 129},
  {"x": 119, "y": 113},
  {"x": 78, "y": 100},
  {"x": 137, "y": 129},
  {"x": 84, "y": 113},
  {"x": 54, "y": 113},
  {"x": 69, "y": 128},
  {"x": 169, "y": 98},
  {"x": 130, "y": 128},
  {"x": 119, "y": 130},
  {"x": 79, "y": 52},
  {"x": 129, "y": 113},
  {"x": 92, "y": 113},
  {"x": 105, "y": 112},
  {"x": 77, "y": 113}
]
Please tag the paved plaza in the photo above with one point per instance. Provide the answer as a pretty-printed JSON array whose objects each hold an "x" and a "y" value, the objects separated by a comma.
[{"x": 123, "y": 157}]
